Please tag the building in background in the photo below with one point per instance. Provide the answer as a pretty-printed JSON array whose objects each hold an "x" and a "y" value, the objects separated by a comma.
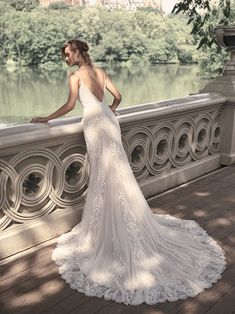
[{"x": 161, "y": 5}]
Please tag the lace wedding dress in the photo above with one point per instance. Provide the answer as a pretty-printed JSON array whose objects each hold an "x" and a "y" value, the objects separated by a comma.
[{"x": 121, "y": 250}]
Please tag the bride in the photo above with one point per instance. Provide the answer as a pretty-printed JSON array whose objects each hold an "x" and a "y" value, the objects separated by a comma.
[{"x": 121, "y": 250}]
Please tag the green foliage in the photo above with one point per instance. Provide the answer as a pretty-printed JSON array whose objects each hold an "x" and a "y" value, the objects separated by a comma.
[
  {"x": 118, "y": 35},
  {"x": 24, "y": 5},
  {"x": 58, "y": 6},
  {"x": 204, "y": 17},
  {"x": 149, "y": 9},
  {"x": 212, "y": 62}
]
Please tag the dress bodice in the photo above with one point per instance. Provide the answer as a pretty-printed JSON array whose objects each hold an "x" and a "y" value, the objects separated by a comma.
[{"x": 92, "y": 106}]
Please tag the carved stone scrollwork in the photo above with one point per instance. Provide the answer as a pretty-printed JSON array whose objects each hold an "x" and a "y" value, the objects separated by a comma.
[
  {"x": 214, "y": 142},
  {"x": 159, "y": 153},
  {"x": 173, "y": 144},
  {"x": 139, "y": 140},
  {"x": 34, "y": 182}
]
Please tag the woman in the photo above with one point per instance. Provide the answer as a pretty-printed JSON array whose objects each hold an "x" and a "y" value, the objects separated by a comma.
[
  {"x": 93, "y": 75},
  {"x": 121, "y": 250}
]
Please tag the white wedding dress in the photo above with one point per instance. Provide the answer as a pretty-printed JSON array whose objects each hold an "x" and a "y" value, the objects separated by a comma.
[{"x": 121, "y": 250}]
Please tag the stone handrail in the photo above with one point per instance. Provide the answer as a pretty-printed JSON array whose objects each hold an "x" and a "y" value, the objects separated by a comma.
[{"x": 44, "y": 169}]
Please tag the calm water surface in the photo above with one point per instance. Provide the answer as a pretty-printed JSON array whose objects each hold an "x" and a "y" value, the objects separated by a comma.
[{"x": 28, "y": 92}]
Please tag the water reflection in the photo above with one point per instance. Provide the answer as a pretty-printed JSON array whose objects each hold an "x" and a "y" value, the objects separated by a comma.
[{"x": 28, "y": 92}]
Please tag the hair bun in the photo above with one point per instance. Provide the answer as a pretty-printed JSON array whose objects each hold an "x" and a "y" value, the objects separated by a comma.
[{"x": 85, "y": 47}]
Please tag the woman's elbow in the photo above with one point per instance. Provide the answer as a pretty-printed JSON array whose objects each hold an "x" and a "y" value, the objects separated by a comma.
[
  {"x": 119, "y": 97},
  {"x": 70, "y": 106}
]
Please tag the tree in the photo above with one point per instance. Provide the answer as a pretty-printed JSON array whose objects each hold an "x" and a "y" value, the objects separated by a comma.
[
  {"x": 58, "y": 6},
  {"x": 36, "y": 36},
  {"x": 24, "y": 5},
  {"x": 203, "y": 15}
]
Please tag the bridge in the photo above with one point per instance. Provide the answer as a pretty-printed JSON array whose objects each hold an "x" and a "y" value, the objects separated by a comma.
[{"x": 45, "y": 167}]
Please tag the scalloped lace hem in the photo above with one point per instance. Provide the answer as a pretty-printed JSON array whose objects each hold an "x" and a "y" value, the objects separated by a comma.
[
  {"x": 154, "y": 283},
  {"x": 132, "y": 297}
]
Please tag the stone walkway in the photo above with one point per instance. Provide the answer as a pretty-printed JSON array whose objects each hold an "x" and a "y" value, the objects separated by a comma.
[{"x": 31, "y": 284}]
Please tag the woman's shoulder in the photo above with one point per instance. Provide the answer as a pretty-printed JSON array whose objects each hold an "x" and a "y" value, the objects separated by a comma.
[
  {"x": 83, "y": 72},
  {"x": 97, "y": 68},
  {"x": 74, "y": 75},
  {"x": 100, "y": 69}
]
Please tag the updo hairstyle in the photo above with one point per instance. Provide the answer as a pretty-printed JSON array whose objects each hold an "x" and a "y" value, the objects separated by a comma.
[{"x": 82, "y": 47}]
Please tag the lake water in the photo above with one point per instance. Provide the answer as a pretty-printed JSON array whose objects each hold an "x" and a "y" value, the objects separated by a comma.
[{"x": 28, "y": 92}]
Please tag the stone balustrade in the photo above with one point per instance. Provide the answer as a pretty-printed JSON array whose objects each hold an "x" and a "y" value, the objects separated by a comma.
[{"x": 44, "y": 169}]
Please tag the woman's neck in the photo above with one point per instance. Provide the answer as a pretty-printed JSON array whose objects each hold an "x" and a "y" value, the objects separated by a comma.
[
  {"x": 81, "y": 63},
  {"x": 84, "y": 65}
]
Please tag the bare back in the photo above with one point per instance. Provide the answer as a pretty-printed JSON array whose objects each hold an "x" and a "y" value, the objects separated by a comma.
[{"x": 94, "y": 79}]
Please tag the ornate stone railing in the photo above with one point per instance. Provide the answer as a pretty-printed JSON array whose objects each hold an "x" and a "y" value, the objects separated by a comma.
[{"x": 44, "y": 169}]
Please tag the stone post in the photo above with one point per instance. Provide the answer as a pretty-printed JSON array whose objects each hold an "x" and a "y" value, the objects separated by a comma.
[{"x": 225, "y": 84}]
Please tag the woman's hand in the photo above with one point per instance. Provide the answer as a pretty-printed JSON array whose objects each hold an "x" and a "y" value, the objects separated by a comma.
[{"x": 39, "y": 119}]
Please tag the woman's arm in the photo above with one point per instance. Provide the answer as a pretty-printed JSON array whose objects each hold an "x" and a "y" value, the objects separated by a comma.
[
  {"x": 69, "y": 105},
  {"x": 114, "y": 91}
]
